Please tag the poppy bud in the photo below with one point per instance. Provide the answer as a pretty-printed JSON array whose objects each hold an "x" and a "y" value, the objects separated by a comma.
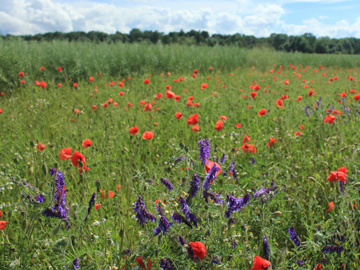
[
  {"x": 186, "y": 148},
  {"x": 182, "y": 145},
  {"x": 97, "y": 184}
]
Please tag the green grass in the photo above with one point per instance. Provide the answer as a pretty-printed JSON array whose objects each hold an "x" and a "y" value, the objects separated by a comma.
[{"x": 299, "y": 166}]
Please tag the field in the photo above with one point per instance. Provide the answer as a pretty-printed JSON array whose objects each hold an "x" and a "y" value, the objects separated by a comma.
[{"x": 150, "y": 128}]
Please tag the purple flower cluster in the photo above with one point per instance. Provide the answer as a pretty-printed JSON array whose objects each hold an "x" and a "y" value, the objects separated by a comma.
[
  {"x": 180, "y": 219},
  {"x": 294, "y": 237},
  {"x": 91, "y": 204},
  {"x": 182, "y": 240},
  {"x": 185, "y": 209},
  {"x": 266, "y": 248},
  {"x": 222, "y": 159},
  {"x": 263, "y": 193},
  {"x": 167, "y": 264},
  {"x": 235, "y": 204},
  {"x": 141, "y": 214},
  {"x": 204, "y": 147},
  {"x": 59, "y": 209},
  {"x": 210, "y": 177},
  {"x": 164, "y": 226},
  {"x": 215, "y": 260},
  {"x": 194, "y": 185},
  {"x": 213, "y": 196},
  {"x": 76, "y": 263},
  {"x": 179, "y": 159},
  {"x": 167, "y": 184},
  {"x": 331, "y": 249}
]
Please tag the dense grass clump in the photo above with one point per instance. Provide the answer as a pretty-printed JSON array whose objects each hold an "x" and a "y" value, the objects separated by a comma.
[{"x": 148, "y": 139}]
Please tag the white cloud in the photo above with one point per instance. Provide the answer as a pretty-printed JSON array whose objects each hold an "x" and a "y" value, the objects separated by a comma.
[{"x": 251, "y": 17}]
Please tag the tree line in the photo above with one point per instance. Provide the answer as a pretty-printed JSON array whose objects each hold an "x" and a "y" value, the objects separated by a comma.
[{"x": 306, "y": 43}]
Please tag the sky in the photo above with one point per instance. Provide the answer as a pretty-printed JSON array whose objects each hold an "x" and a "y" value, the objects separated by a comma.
[{"x": 332, "y": 18}]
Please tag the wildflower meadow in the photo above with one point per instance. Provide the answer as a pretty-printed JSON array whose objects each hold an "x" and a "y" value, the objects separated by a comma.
[{"x": 177, "y": 158}]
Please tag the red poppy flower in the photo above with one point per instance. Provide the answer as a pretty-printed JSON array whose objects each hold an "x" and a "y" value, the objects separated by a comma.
[
  {"x": 318, "y": 267},
  {"x": 248, "y": 148},
  {"x": 219, "y": 125},
  {"x": 59, "y": 69},
  {"x": 193, "y": 119},
  {"x": 1, "y": 111},
  {"x": 148, "y": 107},
  {"x": 168, "y": 87},
  {"x": 129, "y": 105},
  {"x": 238, "y": 125},
  {"x": 177, "y": 98},
  {"x": 209, "y": 164},
  {"x": 2, "y": 225},
  {"x": 339, "y": 175},
  {"x": 22, "y": 82},
  {"x": 148, "y": 135},
  {"x": 222, "y": 117},
  {"x": 330, "y": 206},
  {"x": 105, "y": 105},
  {"x": 195, "y": 71},
  {"x": 299, "y": 98},
  {"x": 343, "y": 94},
  {"x": 311, "y": 93},
  {"x": 329, "y": 119},
  {"x": 159, "y": 96},
  {"x": 357, "y": 96},
  {"x": 142, "y": 264},
  {"x": 133, "y": 130},
  {"x": 118, "y": 186},
  {"x": 86, "y": 143},
  {"x": 271, "y": 142},
  {"x": 190, "y": 98},
  {"x": 336, "y": 112},
  {"x": 302, "y": 127},
  {"x": 279, "y": 104},
  {"x": 298, "y": 133},
  {"x": 195, "y": 128},
  {"x": 199, "y": 250},
  {"x": 178, "y": 115},
  {"x": 204, "y": 85},
  {"x": 284, "y": 97},
  {"x": 0, "y": 213},
  {"x": 146, "y": 81},
  {"x": 262, "y": 112},
  {"x": 246, "y": 139},
  {"x": 91, "y": 79},
  {"x": 196, "y": 105},
  {"x": 253, "y": 95},
  {"x": 97, "y": 206},
  {"x": 76, "y": 157},
  {"x": 65, "y": 153},
  {"x": 260, "y": 264},
  {"x": 40, "y": 146},
  {"x": 75, "y": 84},
  {"x": 169, "y": 94},
  {"x": 21, "y": 74}
]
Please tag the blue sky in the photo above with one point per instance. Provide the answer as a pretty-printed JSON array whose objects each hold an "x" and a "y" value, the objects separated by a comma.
[{"x": 333, "y": 18}]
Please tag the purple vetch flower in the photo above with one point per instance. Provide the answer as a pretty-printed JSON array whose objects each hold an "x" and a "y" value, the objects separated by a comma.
[
  {"x": 222, "y": 159},
  {"x": 180, "y": 219},
  {"x": 341, "y": 187},
  {"x": 263, "y": 192},
  {"x": 179, "y": 159},
  {"x": 91, "y": 204},
  {"x": 76, "y": 263},
  {"x": 214, "y": 196},
  {"x": 59, "y": 209},
  {"x": 164, "y": 226},
  {"x": 299, "y": 263},
  {"x": 266, "y": 248},
  {"x": 330, "y": 110},
  {"x": 182, "y": 240},
  {"x": 141, "y": 214},
  {"x": 215, "y": 260},
  {"x": 167, "y": 184},
  {"x": 40, "y": 198},
  {"x": 159, "y": 209},
  {"x": 331, "y": 249},
  {"x": 294, "y": 237},
  {"x": 167, "y": 264},
  {"x": 306, "y": 110},
  {"x": 194, "y": 185},
  {"x": 186, "y": 211},
  {"x": 235, "y": 204},
  {"x": 230, "y": 169},
  {"x": 210, "y": 177},
  {"x": 233, "y": 243},
  {"x": 204, "y": 147},
  {"x": 318, "y": 103}
]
